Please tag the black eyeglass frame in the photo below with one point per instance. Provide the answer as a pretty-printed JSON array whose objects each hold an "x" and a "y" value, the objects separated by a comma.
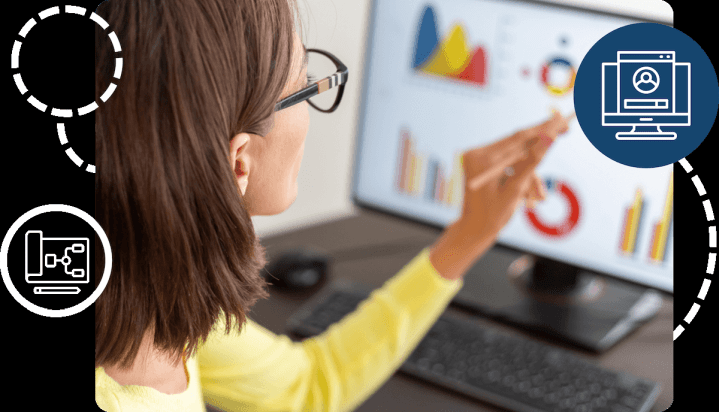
[{"x": 338, "y": 79}]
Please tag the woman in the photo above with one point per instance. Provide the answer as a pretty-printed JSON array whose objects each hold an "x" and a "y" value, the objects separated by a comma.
[{"x": 188, "y": 148}]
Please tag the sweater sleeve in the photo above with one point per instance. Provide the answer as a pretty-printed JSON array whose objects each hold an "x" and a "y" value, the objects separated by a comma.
[{"x": 337, "y": 370}]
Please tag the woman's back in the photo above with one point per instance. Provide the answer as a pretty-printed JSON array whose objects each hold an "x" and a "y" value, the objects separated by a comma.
[{"x": 257, "y": 370}]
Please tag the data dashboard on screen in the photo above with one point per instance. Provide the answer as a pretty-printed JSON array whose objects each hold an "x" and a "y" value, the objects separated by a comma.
[{"x": 444, "y": 77}]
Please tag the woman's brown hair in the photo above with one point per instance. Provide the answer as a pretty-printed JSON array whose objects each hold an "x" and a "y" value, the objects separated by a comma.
[{"x": 195, "y": 73}]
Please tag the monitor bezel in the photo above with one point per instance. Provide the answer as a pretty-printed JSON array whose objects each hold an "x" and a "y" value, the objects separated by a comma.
[{"x": 363, "y": 205}]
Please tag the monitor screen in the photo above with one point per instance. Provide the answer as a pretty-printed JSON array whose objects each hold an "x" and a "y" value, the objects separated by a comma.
[{"x": 444, "y": 77}]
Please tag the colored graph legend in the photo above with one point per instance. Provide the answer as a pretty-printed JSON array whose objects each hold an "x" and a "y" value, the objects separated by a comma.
[
  {"x": 425, "y": 177},
  {"x": 451, "y": 58},
  {"x": 632, "y": 220},
  {"x": 657, "y": 253}
]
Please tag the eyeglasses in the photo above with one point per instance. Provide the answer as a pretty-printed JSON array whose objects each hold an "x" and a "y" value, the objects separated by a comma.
[{"x": 335, "y": 82}]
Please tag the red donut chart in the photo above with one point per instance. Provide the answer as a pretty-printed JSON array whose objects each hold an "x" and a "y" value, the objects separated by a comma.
[{"x": 571, "y": 219}]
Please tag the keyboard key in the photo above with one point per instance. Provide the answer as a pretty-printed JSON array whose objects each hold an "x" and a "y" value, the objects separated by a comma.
[
  {"x": 551, "y": 398},
  {"x": 536, "y": 393},
  {"x": 599, "y": 402},
  {"x": 524, "y": 386},
  {"x": 567, "y": 404},
  {"x": 584, "y": 396},
  {"x": 456, "y": 374},
  {"x": 610, "y": 394},
  {"x": 630, "y": 401}
]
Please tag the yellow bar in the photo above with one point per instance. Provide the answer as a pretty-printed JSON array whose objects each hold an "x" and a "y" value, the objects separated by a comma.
[
  {"x": 456, "y": 180},
  {"x": 634, "y": 221},
  {"x": 664, "y": 224},
  {"x": 412, "y": 167},
  {"x": 419, "y": 186},
  {"x": 655, "y": 242},
  {"x": 627, "y": 226}
]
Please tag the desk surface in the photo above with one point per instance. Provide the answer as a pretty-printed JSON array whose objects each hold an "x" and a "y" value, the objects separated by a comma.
[{"x": 372, "y": 247}]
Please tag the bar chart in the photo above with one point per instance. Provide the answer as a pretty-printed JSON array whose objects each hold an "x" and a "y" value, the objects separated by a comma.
[{"x": 426, "y": 177}]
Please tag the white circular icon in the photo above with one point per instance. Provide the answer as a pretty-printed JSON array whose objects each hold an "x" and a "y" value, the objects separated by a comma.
[
  {"x": 50, "y": 313},
  {"x": 647, "y": 76}
]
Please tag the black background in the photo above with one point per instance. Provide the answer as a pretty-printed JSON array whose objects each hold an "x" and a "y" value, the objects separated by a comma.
[{"x": 50, "y": 360}]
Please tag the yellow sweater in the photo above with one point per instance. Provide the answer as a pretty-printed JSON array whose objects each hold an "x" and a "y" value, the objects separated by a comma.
[{"x": 337, "y": 370}]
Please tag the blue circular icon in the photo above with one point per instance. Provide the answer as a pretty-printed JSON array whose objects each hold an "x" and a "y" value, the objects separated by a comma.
[{"x": 646, "y": 95}]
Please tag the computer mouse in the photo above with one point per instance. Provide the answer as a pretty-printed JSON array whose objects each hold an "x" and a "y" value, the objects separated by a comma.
[{"x": 298, "y": 269}]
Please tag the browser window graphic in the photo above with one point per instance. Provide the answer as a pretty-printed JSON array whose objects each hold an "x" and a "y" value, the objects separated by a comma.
[{"x": 646, "y": 90}]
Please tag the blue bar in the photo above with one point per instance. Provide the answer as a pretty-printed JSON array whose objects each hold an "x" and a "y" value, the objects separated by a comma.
[{"x": 430, "y": 184}]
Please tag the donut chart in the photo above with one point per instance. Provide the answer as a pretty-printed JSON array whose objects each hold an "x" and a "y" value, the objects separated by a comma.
[
  {"x": 557, "y": 62},
  {"x": 570, "y": 220}
]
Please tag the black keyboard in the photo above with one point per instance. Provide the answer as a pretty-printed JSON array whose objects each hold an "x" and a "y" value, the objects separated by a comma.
[{"x": 511, "y": 372}]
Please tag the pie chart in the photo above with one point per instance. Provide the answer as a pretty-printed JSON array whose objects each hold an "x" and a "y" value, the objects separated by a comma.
[{"x": 569, "y": 220}]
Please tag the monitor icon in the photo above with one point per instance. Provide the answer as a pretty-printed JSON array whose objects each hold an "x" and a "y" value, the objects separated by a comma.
[
  {"x": 61, "y": 260},
  {"x": 646, "y": 90}
]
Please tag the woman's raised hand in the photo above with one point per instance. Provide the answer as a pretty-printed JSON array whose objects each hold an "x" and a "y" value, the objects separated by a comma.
[
  {"x": 500, "y": 175},
  {"x": 497, "y": 178}
]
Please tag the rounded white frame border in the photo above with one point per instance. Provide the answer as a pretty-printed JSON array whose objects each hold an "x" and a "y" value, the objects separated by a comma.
[{"x": 51, "y": 313}]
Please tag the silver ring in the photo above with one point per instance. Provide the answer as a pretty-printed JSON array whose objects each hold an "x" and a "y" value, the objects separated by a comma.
[{"x": 509, "y": 171}]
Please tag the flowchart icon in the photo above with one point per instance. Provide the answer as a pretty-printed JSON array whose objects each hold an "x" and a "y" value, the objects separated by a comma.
[{"x": 56, "y": 260}]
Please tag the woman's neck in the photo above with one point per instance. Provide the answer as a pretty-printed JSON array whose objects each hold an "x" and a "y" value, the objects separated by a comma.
[{"x": 152, "y": 369}]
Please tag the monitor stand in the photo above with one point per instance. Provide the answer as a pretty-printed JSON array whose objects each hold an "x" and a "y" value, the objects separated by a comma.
[
  {"x": 646, "y": 132},
  {"x": 558, "y": 300},
  {"x": 56, "y": 290}
]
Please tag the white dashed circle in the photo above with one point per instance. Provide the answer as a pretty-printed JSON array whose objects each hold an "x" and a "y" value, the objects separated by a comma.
[
  {"x": 67, "y": 113},
  {"x": 69, "y": 152},
  {"x": 15, "y": 61},
  {"x": 711, "y": 262}
]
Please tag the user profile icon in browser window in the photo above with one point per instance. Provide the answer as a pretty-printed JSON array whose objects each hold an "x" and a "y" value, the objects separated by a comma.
[{"x": 646, "y": 90}]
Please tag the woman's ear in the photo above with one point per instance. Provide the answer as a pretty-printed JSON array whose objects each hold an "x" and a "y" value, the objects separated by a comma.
[{"x": 240, "y": 160}]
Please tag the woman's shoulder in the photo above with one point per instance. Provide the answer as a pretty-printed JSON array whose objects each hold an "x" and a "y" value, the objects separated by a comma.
[
  {"x": 171, "y": 382},
  {"x": 139, "y": 395},
  {"x": 160, "y": 375}
]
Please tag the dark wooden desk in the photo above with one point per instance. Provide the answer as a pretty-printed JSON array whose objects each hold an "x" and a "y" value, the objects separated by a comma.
[{"x": 371, "y": 248}]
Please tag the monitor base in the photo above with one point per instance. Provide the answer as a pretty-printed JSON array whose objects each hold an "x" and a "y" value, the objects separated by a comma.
[
  {"x": 57, "y": 290},
  {"x": 649, "y": 133},
  {"x": 592, "y": 312}
]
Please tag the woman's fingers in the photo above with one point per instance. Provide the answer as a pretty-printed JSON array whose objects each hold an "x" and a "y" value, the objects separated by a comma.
[
  {"x": 536, "y": 192},
  {"x": 507, "y": 152},
  {"x": 514, "y": 159},
  {"x": 520, "y": 138},
  {"x": 524, "y": 175},
  {"x": 496, "y": 169},
  {"x": 525, "y": 139}
]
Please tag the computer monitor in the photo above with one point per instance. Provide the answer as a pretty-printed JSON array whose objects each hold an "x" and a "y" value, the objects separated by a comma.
[
  {"x": 646, "y": 90},
  {"x": 444, "y": 77}
]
